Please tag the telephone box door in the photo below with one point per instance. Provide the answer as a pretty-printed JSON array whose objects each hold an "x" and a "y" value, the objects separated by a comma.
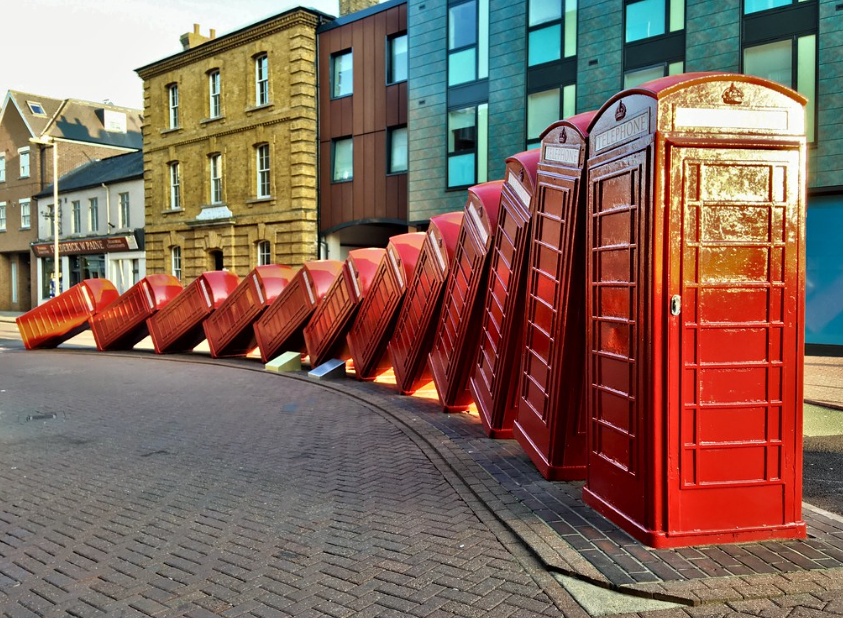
[
  {"x": 733, "y": 335},
  {"x": 616, "y": 338}
]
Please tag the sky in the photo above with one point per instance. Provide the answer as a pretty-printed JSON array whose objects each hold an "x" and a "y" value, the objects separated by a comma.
[{"x": 89, "y": 49}]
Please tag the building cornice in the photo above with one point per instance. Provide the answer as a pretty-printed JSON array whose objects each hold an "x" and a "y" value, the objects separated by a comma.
[{"x": 214, "y": 47}]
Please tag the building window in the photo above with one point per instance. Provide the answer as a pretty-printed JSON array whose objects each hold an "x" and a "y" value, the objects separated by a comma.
[
  {"x": 397, "y": 148},
  {"x": 2, "y": 168},
  {"x": 93, "y": 215},
  {"x": 342, "y": 74},
  {"x": 36, "y": 108},
  {"x": 551, "y": 32},
  {"x": 175, "y": 186},
  {"x": 2, "y": 216},
  {"x": 468, "y": 145},
  {"x": 649, "y": 18},
  {"x": 264, "y": 253},
  {"x": 343, "y": 160},
  {"x": 755, "y": 6},
  {"x": 25, "y": 217},
  {"x": 262, "y": 79},
  {"x": 124, "y": 210},
  {"x": 214, "y": 94},
  {"x": 23, "y": 153},
  {"x": 792, "y": 63},
  {"x": 262, "y": 156},
  {"x": 215, "y": 166},
  {"x": 636, "y": 77},
  {"x": 546, "y": 107},
  {"x": 468, "y": 41},
  {"x": 75, "y": 217},
  {"x": 173, "y": 101},
  {"x": 396, "y": 67},
  {"x": 175, "y": 260}
]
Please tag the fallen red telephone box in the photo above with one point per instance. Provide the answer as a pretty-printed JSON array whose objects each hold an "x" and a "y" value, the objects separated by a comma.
[
  {"x": 375, "y": 321},
  {"x": 325, "y": 333},
  {"x": 498, "y": 356},
  {"x": 178, "y": 326},
  {"x": 695, "y": 314},
  {"x": 229, "y": 329},
  {"x": 551, "y": 420},
  {"x": 122, "y": 324},
  {"x": 281, "y": 327},
  {"x": 455, "y": 343},
  {"x": 66, "y": 315},
  {"x": 413, "y": 335}
]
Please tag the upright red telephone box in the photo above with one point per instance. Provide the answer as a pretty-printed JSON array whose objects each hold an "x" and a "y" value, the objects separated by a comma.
[
  {"x": 325, "y": 333},
  {"x": 455, "y": 343},
  {"x": 550, "y": 421},
  {"x": 229, "y": 329},
  {"x": 122, "y": 324},
  {"x": 66, "y": 315},
  {"x": 498, "y": 357},
  {"x": 178, "y": 326},
  {"x": 695, "y": 314},
  {"x": 280, "y": 328},
  {"x": 413, "y": 335},
  {"x": 375, "y": 320}
]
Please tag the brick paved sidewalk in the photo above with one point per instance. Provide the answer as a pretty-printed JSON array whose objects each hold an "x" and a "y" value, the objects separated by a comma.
[{"x": 824, "y": 380}]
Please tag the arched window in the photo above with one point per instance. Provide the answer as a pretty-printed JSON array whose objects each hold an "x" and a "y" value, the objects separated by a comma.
[{"x": 264, "y": 253}]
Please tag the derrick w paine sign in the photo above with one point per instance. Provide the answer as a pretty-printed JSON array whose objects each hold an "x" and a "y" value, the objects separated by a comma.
[{"x": 90, "y": 245}]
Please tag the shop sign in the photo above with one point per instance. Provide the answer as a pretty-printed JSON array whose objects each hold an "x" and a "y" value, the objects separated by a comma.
[{"x": 91, "y": 245}]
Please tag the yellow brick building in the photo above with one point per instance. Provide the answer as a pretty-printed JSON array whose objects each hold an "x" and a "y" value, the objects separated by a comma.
[{"x": 229, "y": 141}]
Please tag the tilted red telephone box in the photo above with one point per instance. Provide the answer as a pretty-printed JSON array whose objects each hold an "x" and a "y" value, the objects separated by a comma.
[
  {"x": 122, "y": 324},
  {"x": 498, "y": 357},
  {"x": 66, "y": 315},
  {"x": 280, "y": 328},
  {"x": 413, "y": 335},
  {"x": 696, "y": 211},
  {"x": 178, "y": 326},
  {"x": 455, "y": 343},
  {"x": 229, "y": 328},
  {"x": 375, "y": 321},
  {"x": 550, "y": 421},
  {"x": 325, "y": 333}
]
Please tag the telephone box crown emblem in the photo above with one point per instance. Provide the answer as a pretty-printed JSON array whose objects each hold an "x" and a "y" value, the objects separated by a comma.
[
  {"x": 521, "y": 174},
  {"x": 563, "y": 137},
  {"x": 733, "y": 95},
  {"x": 620, "y": 112}
]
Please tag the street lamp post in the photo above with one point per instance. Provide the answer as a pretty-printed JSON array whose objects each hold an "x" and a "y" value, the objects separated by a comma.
[{"x": 50, "y": 141}]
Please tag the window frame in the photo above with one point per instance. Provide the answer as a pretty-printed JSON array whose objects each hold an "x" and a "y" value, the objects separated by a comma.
[
  {"x": 390, "y": 131},
  {"x": 3, "y": 168},
  {"x": 93, "y": 214},
  {"x": 456, "y": 50},
  {"x": 264, "y": 257},
  {"x": 176, "y": 262},
  {"x": 76, "y": 217},
  {"x": 25, "y": 219},
  {"x": 784, "y": 7},
  {"x": 214, "y": 94},
  {"x": 261, "y": 61},
  {"x": 173, "y": 105},
  {"x": 24, "y": 152},
  {"x": 334, "y": 142},
  {"x": 125, "y": 211},
  {"x": 349, "y": 51},
  {"x": 476, "y": 150},
  {"x": 390, "y": 58},
  {"x": 174, "y": 174},
  {"x": 262, "y": 175},
  {"x": 534, "y": 142},
  {"x": 561, "y": 22},
  {"x": 215, "y": 166},
  {"x": 3, "y": 216}
]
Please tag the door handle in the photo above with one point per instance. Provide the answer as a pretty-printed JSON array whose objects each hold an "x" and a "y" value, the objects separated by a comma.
[{"x": 675, "y": 304}]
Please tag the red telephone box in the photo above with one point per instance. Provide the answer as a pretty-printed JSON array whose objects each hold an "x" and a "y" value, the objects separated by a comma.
[
  {"x": 325, "y": 333},
  {"x": 413, "y": 336},
  {"x": 178, "y": 326},
  {"x": 122, "y": 324},
  {"x": 695, "y": 314},
  {"x": 550, "y": 421},
  {"x": 499, "y": 354},
  {"x": 66, "y": 315},
  {"x": 376, "y": 317},
  {"x": 229, "y": 328},
  {"x": 455, "y": 343},
  {"x": 281, "y": 326}
]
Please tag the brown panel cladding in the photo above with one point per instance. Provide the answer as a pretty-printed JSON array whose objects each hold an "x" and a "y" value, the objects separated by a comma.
[{"x": 366, "y": 115}]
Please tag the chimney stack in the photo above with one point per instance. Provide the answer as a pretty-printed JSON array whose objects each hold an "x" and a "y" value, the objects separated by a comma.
[
  {"x": 352, "y": 6},
  {"x": 189, "y": 40}
]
